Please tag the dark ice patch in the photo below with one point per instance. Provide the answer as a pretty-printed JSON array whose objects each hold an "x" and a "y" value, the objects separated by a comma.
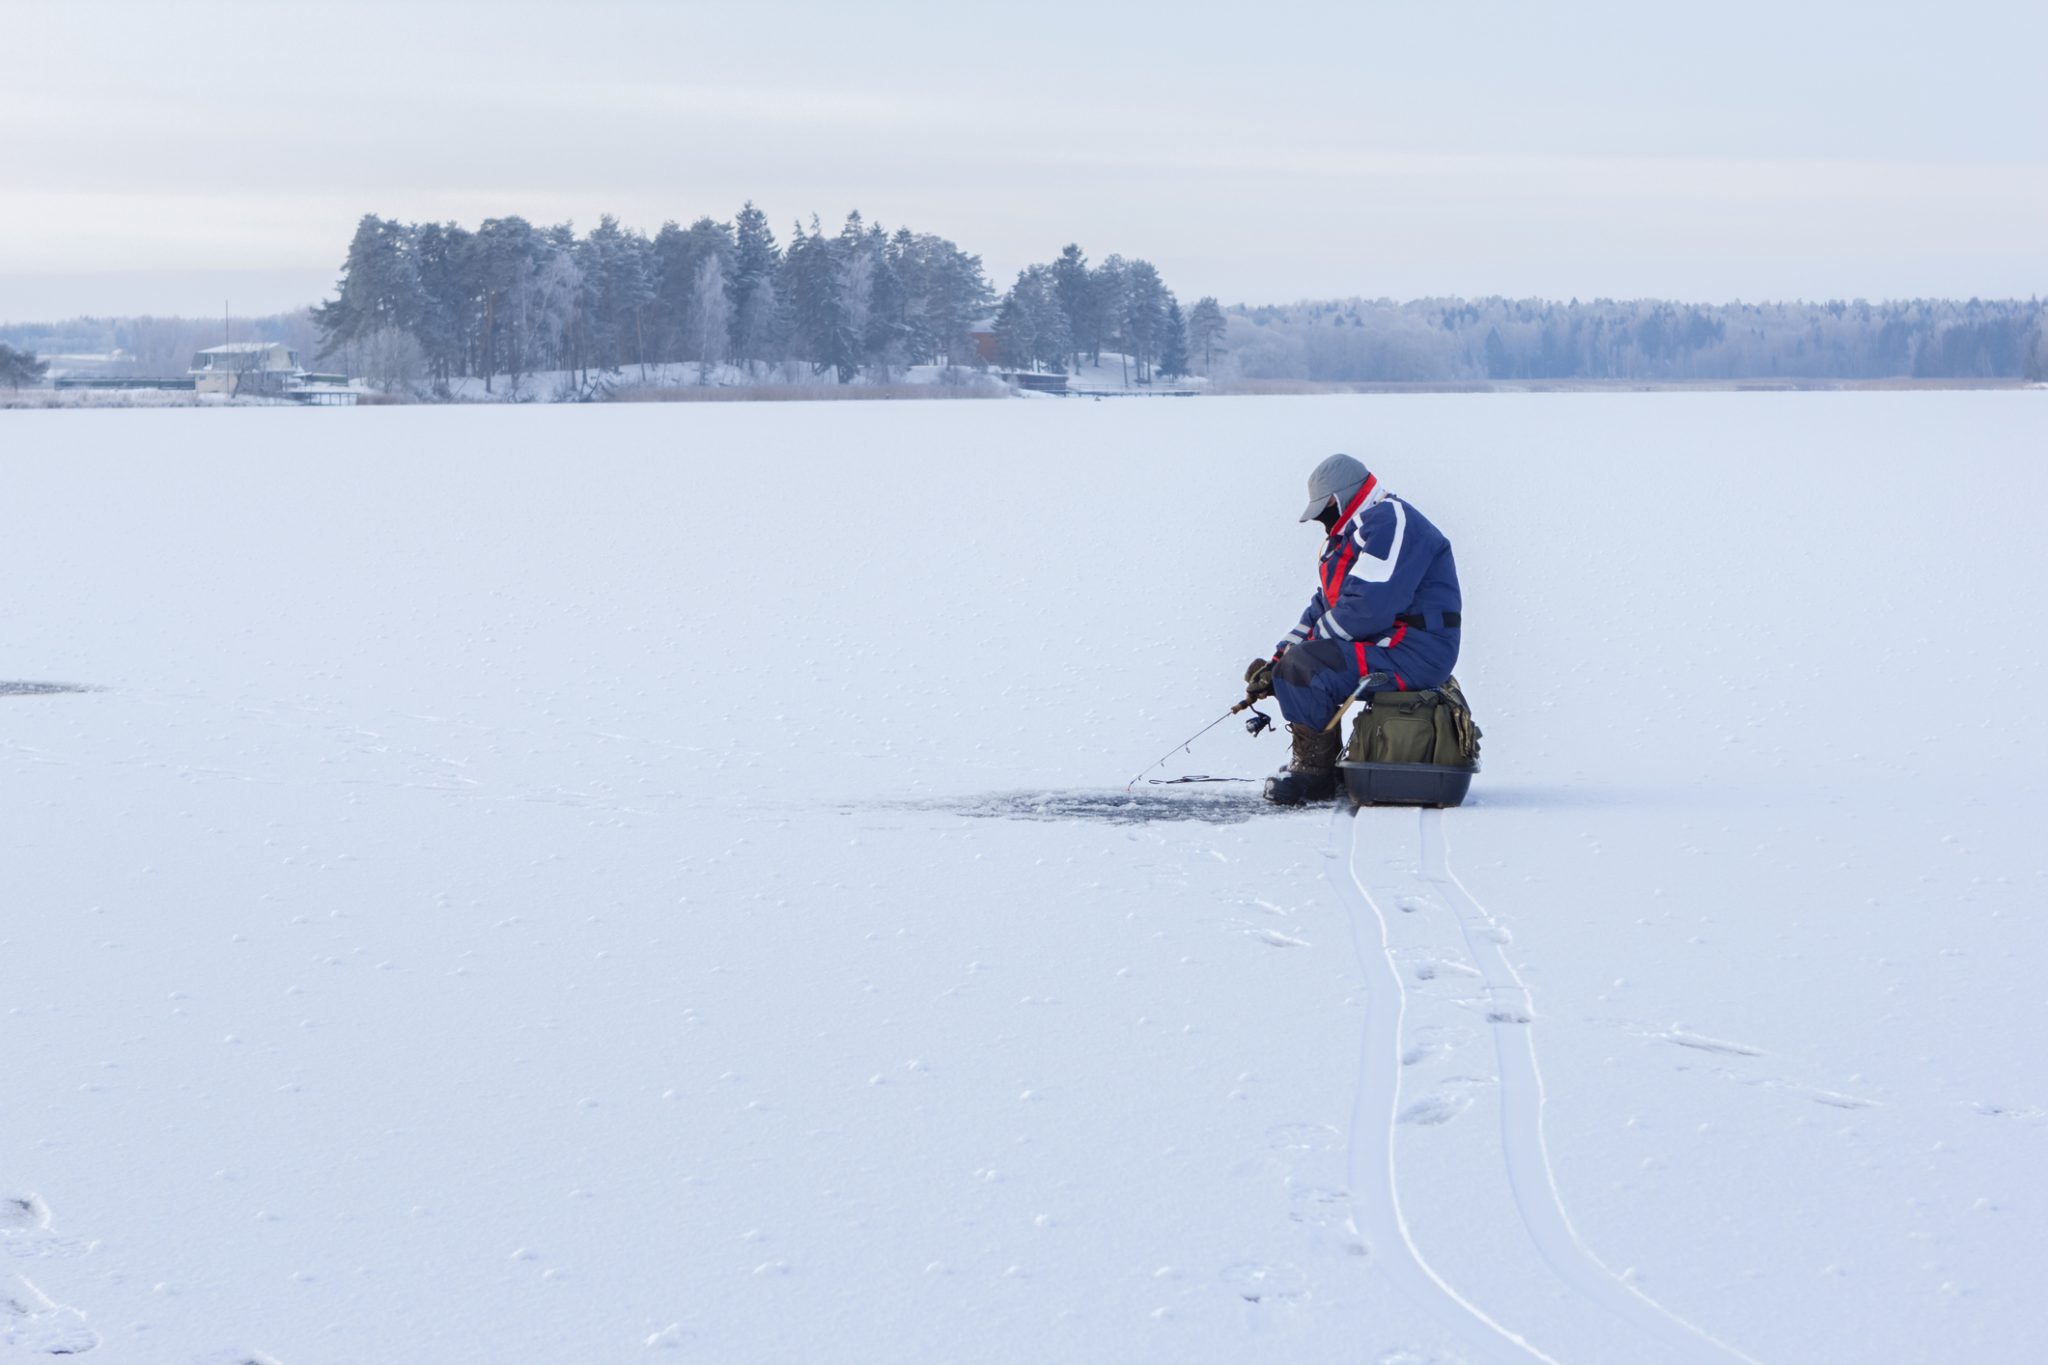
[
  {"x": 1112, "y": 806},
  {"x": 42, "y": 689}
]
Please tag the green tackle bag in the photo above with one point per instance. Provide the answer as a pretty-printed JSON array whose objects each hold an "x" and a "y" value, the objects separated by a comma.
[{"x": 1433, "y": 726}]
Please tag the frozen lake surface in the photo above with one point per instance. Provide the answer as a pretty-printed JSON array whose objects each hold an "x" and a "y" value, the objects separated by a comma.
[{"x": 597, "y": 884}]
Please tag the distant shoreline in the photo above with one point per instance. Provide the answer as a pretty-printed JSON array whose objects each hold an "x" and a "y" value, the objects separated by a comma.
[
  {"x": 1255, "y": 388},
  {"x": 44, "y": 399}
]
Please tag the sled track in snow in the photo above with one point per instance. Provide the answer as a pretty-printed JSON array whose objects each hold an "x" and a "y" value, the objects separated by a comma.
[
  {"x": 1375, "y": 1185},
  {"x": 1510, "y": 1017}
]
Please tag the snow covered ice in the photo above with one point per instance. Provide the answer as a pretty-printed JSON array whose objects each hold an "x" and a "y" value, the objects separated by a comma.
[{"x": 594, "y": 884}]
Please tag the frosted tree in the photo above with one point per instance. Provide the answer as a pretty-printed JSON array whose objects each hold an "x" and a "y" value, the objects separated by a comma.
[
  {"x": 677, "y": 254},
  {"x": 710, "y": 315},
  {"x": 446, "y": 320},
  {"x": 1072, "y": 287},
  {"x": 1144, "y": 317},
  {"x": 752, "y": 288},
  {"x": 392, "y": 360},
  {"x": 379, "y": 285},
  {"x": 883, "y": 338},
  {"x": 501, "y": 257},
  {"x": 814, "y": 295},
  {"x": 854, "y": 263},
  {"x": 19, "y": 367},
  {"x": 1206, "y": 328},
  {"x": 1031, "y": 327},
  {"x": 1108, "y": 292}
]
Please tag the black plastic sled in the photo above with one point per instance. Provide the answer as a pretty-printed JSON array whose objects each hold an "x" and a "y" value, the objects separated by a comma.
[{"x": 1405, "y": 784}]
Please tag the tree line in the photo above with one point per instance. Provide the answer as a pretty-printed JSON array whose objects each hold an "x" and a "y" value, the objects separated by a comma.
[
  {"x": 1061, "y": 311},
  {"x": 421, "y": 305},
  {"x": 1495, "y": 339},
  {"x": 511, "y": 299},
  {"x": 20, "y": 367}
]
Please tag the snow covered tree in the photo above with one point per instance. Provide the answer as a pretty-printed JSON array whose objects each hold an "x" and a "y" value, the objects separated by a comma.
[
  {"x": 814, "y": 289},
  {"x": 446, "y": 319},
  {"x": 854, "y": 263},
  {"x": 945, "y": 295},
  {"x": 379, "y": 287},
  {"x": 1071, "y": 285},
  {"x": 1173, "y": 341},
  {"x": 532, "y": 292},
  {"x": 1108, "y": 289},
  {"x": 1031, "y": 327},
  {"x": 1144, "y": 316},
  {"x": 391, "y": 359},
  {"x": 617, "y": 291},
  {"x": 502, "y": 257},
  {"x": 19, "y": 367},
  {"x": 755, "y": 265},
  {"x": 884, "y": 340},
  {"x": 1206, "y": 329},
  {"x": 710, "y": 315},
  {"x": 678, "y": 259}
]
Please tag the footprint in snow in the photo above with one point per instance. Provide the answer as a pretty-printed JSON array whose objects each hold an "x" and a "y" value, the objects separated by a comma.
[
  {"x": 1303, "y": 1137},
  {"x": 29, "y": 1321},
  {"x": 1419, "y": 1052},
  {"x": 1317, "y": 1204},
  {"x": 1431, "y": 968},
  {"x": 1837, "y": 1100},
  {"x": 2024, "y": 1112},
  {"x": 1702, "y": 1044},
  {"x": 1436, "y": 1109},
  {"x": 1258, "y": 1282},
  {"x": 25, "y": 1230}
]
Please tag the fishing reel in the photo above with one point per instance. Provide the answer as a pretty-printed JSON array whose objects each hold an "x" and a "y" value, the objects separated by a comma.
[{"x": 1257, "y": 723}]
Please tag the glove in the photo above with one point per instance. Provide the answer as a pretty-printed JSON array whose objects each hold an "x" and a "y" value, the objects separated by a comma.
[{"x": 1258, "y": 680}]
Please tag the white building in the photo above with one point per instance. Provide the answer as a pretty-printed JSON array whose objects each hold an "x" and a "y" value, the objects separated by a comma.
[{"x": 246, "y": 367}]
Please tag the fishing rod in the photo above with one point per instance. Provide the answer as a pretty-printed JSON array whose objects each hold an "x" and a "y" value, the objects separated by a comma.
[
  {"x": 1377, "y": 680},
  {"x": 1258, "y": 722}
]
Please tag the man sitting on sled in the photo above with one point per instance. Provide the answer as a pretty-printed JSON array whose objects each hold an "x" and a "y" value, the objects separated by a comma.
[{"x": 1386, "y": 602}]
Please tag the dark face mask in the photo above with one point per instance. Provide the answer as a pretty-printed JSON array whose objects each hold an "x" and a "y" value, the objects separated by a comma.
[{"x": 1328, "y": 517}]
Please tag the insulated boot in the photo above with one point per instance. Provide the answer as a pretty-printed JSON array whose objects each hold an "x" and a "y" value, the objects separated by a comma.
[{"x": 1311, "y": 774}]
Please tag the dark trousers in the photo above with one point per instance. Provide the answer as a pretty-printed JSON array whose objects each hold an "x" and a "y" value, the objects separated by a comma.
[{"x": 1313, "y": 679}]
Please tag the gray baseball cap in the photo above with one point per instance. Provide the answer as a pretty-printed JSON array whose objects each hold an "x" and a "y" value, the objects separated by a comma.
[{"x": 1338, "y": 477}]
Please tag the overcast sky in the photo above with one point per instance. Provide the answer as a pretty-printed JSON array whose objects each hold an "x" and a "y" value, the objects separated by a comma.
[{"x": 163, "y": 154}]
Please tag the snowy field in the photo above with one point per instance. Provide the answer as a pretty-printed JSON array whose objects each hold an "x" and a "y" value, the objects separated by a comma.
[{"x": 653, "y": 882}]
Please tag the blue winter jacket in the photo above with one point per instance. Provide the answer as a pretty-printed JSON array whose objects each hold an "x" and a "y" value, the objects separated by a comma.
[{"x": 1388, "y": 589}]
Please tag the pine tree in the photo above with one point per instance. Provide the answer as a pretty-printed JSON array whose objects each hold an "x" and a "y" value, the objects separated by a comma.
[
  {"x": 1144, "y": 316},
  {"x": 1108, "y": 289},
  {"x": 854, "y": 263},
  {"x": 379, "y": 285},
  {"x": 502, "y": 258},
  {"x": 1173, "y": 343},
  {"x": 446, "y": 318},
  {"x": 1071, "y": 285},
  {"x": 953, "y": 296},
  {"x": 883, "y": 340},
  {"x": 1031, "y": 326},
  {"x": 755, "y": 265},
  {"x": 675, "y": 283},
  {"x": 817, "y": 302}
]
